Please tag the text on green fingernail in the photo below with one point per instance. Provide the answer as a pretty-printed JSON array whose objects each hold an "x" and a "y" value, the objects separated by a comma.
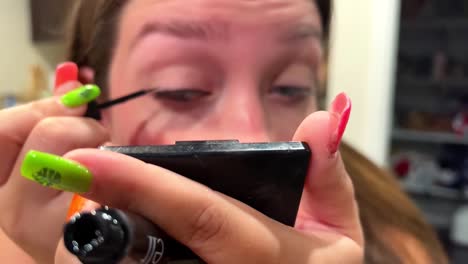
[
  {"x": 56, "y": 172},
  {"x": 81, "y": 96}
]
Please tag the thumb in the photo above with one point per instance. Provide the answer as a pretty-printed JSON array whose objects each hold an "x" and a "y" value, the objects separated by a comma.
[{"x": 328, "y": 199}]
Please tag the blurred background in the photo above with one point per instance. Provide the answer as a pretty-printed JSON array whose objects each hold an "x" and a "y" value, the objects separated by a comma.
[
  {"x": 31, "y": 46},
  {"x": 403, "y": 62},
  {"x": 405, "y": 66}
]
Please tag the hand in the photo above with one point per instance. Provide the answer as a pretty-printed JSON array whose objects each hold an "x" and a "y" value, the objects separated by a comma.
[
  {"x": 33, "y": 216},
  {"x": 222, "y": 230}
]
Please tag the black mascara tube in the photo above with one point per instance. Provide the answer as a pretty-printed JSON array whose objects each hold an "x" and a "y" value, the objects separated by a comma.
[{"x": 113, "y": 236}]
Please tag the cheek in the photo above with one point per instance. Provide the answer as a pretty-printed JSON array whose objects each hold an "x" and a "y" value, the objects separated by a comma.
[
  {"x": 124, "y": 121},
  {"x": 163, "y": 128},
  {"x": 283, "y": 122},
  {"x": 136, "y": 124},
  {"x": 147, "y": 124}
]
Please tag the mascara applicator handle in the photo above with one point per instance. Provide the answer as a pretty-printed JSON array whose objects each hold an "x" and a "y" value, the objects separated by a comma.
[
  {"x": 114, "y": 236},
  {"x": 93, "y": 111}
]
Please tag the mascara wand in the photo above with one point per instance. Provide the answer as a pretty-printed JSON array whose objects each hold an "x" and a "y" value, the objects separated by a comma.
[{"x": 94, "y": 109}]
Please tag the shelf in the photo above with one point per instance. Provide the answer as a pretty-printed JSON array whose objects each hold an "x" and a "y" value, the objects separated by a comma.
[
  {"x": 429, "y": 137},
  {"x": 431, "y": 96},
  {"x": 454, "y": 87},
  {"x": 438, "y": 212},
  {"x": 415, "y": 81},
  {"x": 437, "y": 24},
  {"x": 427, "y": 104}
]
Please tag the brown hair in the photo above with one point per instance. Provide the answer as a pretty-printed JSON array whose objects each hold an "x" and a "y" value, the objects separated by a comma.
[
  {"x": 385, "y": 209},
  {"x": 92, "y": 35},
  {"x": 383, "y": 206}
]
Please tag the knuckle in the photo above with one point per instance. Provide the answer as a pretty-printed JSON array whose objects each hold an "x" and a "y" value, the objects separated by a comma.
[
  {"x": 71, "y": 132},
  {"x": 345, "y": 179},
  {"x": 38, "y": 109},
  {"x": 349, "y": 186},
  {"x": 353, "y": 253},
  {"x": 12, "y": 227},
  {"x": 209, "y": 224},
  {"x": 357, "y": 255},
  {"x": 51, "y": 127}
]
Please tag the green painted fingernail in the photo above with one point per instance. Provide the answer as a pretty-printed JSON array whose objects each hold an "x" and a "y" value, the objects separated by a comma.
[
  {"x": 81, "y": 96},
  {"x": 56, "y": 172}
]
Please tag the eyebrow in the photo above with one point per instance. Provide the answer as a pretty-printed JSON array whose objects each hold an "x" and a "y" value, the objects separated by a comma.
[
  {"x": 302, "y": 32},
  {"x": 199, "y": 30},
  {"x": 211, "y": 30}
]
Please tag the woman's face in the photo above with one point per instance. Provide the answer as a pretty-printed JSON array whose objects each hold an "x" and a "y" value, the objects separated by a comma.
[{"x": 223, "y": 69}]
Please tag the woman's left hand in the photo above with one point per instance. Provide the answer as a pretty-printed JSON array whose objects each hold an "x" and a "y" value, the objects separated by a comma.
[{"x": 220, "y": 229}]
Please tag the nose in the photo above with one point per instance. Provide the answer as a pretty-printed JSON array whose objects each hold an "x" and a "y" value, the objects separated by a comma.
[{"x": 242, "y": 117}]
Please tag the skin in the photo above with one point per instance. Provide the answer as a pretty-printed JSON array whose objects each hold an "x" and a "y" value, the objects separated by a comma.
[
  {"x": 10, "y": 253},
  {"x": 232, "y": 64},
  {"x": 240, "y": 76}
]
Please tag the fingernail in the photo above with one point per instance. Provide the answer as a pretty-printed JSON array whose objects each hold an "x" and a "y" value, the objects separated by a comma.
[
  {"x": 76, "y": 206},
  {"x": 65, "y": 72},
  {"x": 56, "y": 172},
  {"x": 341, "y": 108},
  {"x": 81, "y": 96}
]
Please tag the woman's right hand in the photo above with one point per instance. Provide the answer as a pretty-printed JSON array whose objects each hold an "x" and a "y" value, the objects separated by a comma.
[{"x": 33, "y": 215}]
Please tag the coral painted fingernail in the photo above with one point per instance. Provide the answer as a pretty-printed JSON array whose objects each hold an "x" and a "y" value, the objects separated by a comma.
[
  {"x": 341, "y": 108},
  {"x": 81, "y": 96},
  {"x": 77, "y": 205},
  {"x": 64, "y": 73},
  {"x": 56, "y": 172}
]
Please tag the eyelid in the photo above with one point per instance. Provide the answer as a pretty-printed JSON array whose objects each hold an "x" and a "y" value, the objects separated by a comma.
[
  {"x": 304, "y": 90},
  {"x": 182, "y": 95},
  {"x": 165, "y": 91}
]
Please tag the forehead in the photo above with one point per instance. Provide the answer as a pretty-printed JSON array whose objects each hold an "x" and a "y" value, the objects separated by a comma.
[{"x": 241, "y": 14}]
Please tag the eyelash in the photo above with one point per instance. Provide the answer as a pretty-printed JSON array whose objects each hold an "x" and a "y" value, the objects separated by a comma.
[
  {"x": 292, "y": 93},
  {"x": 288, "y": 92},
  {"x": 181, "y": 95}
]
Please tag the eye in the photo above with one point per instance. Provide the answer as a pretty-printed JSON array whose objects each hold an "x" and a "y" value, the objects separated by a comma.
[
  {"x": 181, "y": 95},
  {"x": 291, "y": 93}
]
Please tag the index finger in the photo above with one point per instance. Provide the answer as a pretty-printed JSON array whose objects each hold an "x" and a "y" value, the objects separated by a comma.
[{"x": 16, "y": 123}]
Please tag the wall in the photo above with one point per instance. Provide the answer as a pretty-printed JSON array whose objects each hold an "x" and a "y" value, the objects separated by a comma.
[
  {"x": 17, "y": 52},
  {"x": 362, "y": 63}
]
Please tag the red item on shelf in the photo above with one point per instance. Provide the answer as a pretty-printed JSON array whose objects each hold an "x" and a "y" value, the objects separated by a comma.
[
  {"x": 460, "y": 124},
  {"x": 402, "y": 167}
]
